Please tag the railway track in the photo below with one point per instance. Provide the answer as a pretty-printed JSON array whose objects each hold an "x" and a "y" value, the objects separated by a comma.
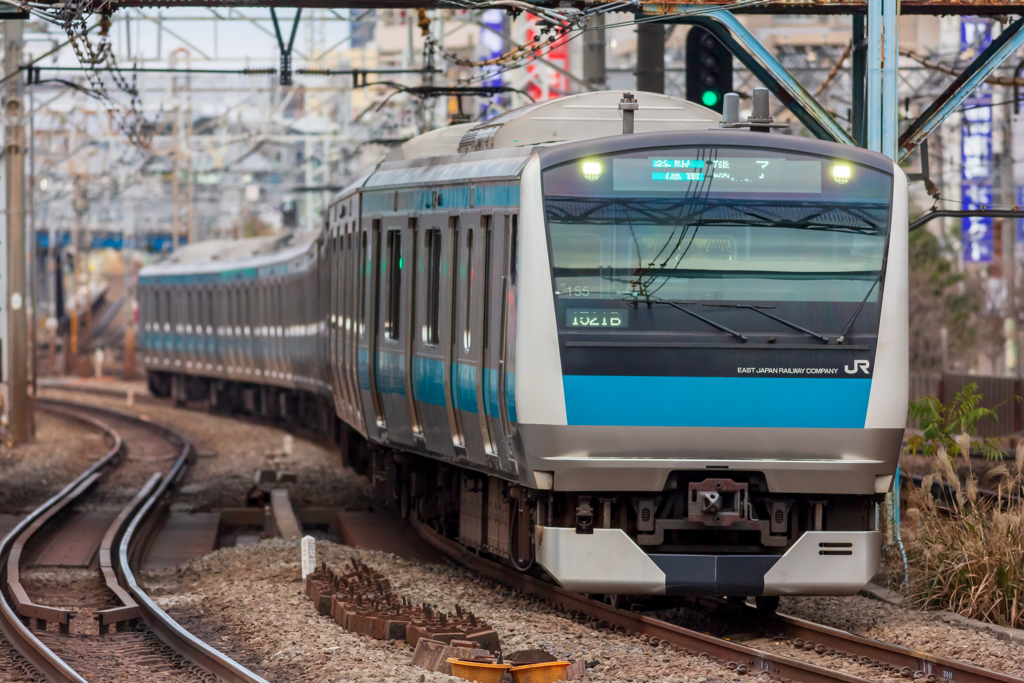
[
  {"x": 887, "y": 658},
  {"x": 810, "y": 638},
  {"x": 128, "y": 637}
]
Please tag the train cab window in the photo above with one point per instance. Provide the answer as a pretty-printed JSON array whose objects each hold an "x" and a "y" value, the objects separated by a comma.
[
  {"x": 467, "y": 338},
  {"x": 432, "y": 246},
  {"x": 393, "y": 312}
]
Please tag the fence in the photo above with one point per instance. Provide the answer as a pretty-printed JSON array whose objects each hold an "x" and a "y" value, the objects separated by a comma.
[{"x": 997, "y": 393}]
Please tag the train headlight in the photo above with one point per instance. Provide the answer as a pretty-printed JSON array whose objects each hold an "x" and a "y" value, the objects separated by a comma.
[
  {"x": 592, "y": 170},
  {"x": 841, "y": 173}
]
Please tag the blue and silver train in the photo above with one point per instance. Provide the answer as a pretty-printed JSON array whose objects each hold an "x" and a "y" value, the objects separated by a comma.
[{"x": 667, "y": 362}]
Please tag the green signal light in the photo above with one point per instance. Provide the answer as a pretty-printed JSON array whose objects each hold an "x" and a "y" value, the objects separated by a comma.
[{"x": 709, "y": 98}]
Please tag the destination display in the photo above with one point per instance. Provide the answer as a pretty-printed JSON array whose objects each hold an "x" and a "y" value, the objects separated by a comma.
[
  {"x": 576, "y": 317},
  {"x": 719, "y": 175}
]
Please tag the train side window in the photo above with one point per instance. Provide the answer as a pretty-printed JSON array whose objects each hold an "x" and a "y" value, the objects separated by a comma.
[
  {"x": 209, "y": 310},
  {"x": 431, "y": 324},
  {"x": 467, "y": 332},
  {"x": 514, "y": 249},
  {"x": 393, "y": 314},
  {"x": 167, "y": 311}
]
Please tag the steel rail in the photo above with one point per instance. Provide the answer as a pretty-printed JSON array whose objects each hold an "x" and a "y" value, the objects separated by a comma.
[
  {"x": 138, "y": 534},
  {"x": 17, "y": 633},
  {"x": 691, "y": 641},
  {"x": 792, "y": 627},
  {"x": 136, "y": 539},
  {"x": 895, "y": 656}
]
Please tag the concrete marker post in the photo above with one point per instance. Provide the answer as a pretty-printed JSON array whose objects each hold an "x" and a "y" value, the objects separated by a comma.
[{"x": 308, "y": 550}]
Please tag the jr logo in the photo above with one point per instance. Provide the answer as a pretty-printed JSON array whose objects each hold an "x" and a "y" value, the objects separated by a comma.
[{"x": 858, "y": 365}]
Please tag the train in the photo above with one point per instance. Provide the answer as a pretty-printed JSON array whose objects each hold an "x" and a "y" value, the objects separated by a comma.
[{"x": 671, "y": 361}]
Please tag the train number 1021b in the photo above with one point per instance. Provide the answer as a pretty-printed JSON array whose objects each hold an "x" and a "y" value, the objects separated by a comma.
[{"x": 579, "y": 318}]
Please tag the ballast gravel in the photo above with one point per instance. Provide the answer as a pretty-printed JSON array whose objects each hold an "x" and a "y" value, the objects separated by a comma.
[
  {"x": 250, "y": 601},
  {"x": 910, "y": 628},
  {"x": 31, "y": 473},
  {"x": 231, "y": 450}
]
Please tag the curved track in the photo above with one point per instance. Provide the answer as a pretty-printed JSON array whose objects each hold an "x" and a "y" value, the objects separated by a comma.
[
  {"x": 146, "y": 643},
  {"x": 804, "y": 635}
]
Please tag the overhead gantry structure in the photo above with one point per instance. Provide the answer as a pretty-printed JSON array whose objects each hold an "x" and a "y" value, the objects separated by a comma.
[{"x": 875, "y": 55}]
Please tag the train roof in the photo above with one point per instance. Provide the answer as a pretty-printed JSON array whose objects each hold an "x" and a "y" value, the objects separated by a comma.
[
  {"x": 275, "y": 254},
  {"x": 497, "y": 148},
  {"x": 565, "y": 119}
]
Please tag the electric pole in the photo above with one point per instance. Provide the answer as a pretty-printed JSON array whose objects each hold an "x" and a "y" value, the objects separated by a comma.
[{"x": 18, "y": 405}]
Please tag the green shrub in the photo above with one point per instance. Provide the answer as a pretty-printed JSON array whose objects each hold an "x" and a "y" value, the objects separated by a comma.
[{"x": 944, "y": 426}]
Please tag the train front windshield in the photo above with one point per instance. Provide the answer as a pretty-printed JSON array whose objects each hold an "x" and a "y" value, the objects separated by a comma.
[{"x": 712, "y": 226}]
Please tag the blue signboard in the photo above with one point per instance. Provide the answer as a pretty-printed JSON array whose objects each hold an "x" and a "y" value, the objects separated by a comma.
[
  {"x": 493, "y": 46},
  {"x": 976, "y": 148}
]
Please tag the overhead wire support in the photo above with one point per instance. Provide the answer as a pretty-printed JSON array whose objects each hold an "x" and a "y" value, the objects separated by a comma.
[
  {"x": 1006, "y": 44},
  {"x": 286, "y": 51}
]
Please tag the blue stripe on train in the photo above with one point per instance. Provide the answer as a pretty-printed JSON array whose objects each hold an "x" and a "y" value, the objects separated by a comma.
[
  {"x": 429, "y": 380},
  {"x": 716, "y": 401},
  {"x": 464, "y": 381},
  {"x": 391, "y": 373}
]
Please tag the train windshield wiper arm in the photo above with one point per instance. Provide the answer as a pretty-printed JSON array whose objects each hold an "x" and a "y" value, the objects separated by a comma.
[
  {"x": 776, "y": 318},
  {"x": 698, "y": 316},
  {"x": 860, "y": 307}
]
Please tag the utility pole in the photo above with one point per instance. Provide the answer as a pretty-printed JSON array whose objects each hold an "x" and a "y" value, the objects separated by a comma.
[
  {"x": 593, "y": 53},
  {"x": 650, "y": 57},
  {"x": 176, "y": 182},
  {"x": 19, "y": 406}
]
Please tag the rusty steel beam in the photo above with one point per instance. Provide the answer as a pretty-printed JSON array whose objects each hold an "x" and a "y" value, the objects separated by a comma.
[
  {"x": 935, "y": 7},
  {"x": 960, "y": 89}
]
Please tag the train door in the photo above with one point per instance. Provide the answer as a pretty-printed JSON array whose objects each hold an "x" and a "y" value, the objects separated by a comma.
[
  {"x": 188, "y": 318},
  {"x": 507, "y": 348},
  {"x": 208, "y": 343},
  {"x": 352, "y": 284},
  {"x": 466, "y": 338},
  {"x": 410, "y": 278},
  {"x": 200, "y": 324},
  {"x": 493, "y": 347},
  {"x": 431, "y": 381},
  {"x": 392, "y": 328},
  {"x": 332, "y": 314},
  {"x": 369, "y": 281}
]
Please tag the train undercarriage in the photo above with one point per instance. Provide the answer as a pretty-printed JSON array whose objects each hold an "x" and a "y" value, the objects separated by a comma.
[{"x": 733, "y": 521}]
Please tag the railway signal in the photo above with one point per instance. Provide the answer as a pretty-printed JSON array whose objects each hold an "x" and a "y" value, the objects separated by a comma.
[{"x": 708, "y": 69}]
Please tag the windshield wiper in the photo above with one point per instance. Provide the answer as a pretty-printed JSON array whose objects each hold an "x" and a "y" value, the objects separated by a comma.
[
  {"x": 673, "y": 304},
  {"x": 860, "y": 307},
  {"x": 776, "y": 318}
]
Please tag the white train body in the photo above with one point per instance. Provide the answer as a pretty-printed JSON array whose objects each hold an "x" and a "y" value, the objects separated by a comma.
[{"x": 679, "y": 358}]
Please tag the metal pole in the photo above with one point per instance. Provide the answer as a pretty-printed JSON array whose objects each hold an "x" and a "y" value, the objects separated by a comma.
[
  {"x": 650, "y": 57},
  {"x": 890, "y": 87},
  {"x": 19, "y": 405},
  {"x": 1008, "y": 192},
  {"x": 859, "y": 64},
  {"x": 32, "y": 291},
  {"x": 593, "y": 54},
  {"x": 175, "y": 180},
  {"x": 875, "y": 32}
]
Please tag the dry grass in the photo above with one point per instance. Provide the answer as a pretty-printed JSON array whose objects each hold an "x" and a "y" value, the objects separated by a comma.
[{"x": 966, "y": 555}]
